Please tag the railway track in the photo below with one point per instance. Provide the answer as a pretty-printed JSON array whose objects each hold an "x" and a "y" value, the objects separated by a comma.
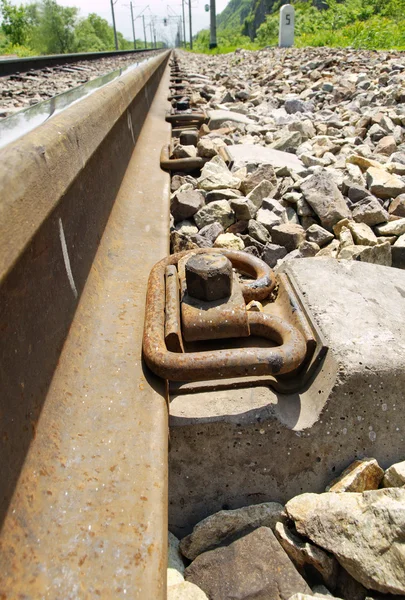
[
  {"x": 46, "y": 78},
  {"x": 11, "y": 66},
  {"x": 84, "y": 256}
]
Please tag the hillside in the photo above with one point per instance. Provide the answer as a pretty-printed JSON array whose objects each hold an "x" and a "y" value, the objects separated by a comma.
[
  {"x": 234, "y": 14},
  {"x": 246, "y": 16}
]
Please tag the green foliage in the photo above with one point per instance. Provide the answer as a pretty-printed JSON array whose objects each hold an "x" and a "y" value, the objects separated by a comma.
[
  {"x": 267, "y": 34},
  {"x": 45, "y": 27},
  {"x": 14, "y": 22},
  {"x": 377, "y": 33},
  {"x": 54, "y": 33},
  {"x": 369, "y": 24},
  {"x": 234, "y": 14},
  {"x": 228, "y": 40}
]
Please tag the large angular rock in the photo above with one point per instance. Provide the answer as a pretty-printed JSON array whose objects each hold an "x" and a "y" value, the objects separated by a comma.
[
  {"x": 273, "y": 253},
  {"x": 307, "y": 557},
  {"x": 208, "y": 148},
  {"x": 219, "y": 211},
  {"x": 218, "y": 117},
  {"x": 222, "y": 195},
  {"x": 185, "y": 204},
  {"x": 383, "y": 184},
  {"x": 362, "y": 234},
  {"x": 361, "y": 475},
  {"x": 258, "y": 231},
  {"x": 395, "y": 475},
  {"x": 254, "y": 566},
  {"x": 224, "y": 525},
  {"x": 365, "y": 532},
  {"x": 397, "y": 206},
  {"x": 386, "y": 145},
  {"x": 253, "y": 153},
  {"x": 180, "y": 242},
  {"x": 212, "y": 231},
  {"x": 243, "y": 208},
  {"x": 186, "y": 227},
  {"x": 287, "y": 142},
  {"x": 319, "y": 235},
  {"x": 381, "y": 254},
  {"x": 230, "y": 241},
  {"x": 184, "y": 152},
  {"x": 370, "y": 212},
  {"x": 392, "y": 228},
  {"x": 294, "y": 105},
  {"x": 324, "y": 196},
  {"x": 288, "y": 235},
  {"x": 265, "y": 189},
  {"x": 271, "y": 215},
  {"x": 330, "y": 250},
  {"x": 215, "y": 175},
  {"x": 262, "y": 173}
]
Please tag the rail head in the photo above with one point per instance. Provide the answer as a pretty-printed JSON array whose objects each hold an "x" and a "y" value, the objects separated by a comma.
[
  {"x": 34, "y": 170},
  {"x": 11, "y": 66}
]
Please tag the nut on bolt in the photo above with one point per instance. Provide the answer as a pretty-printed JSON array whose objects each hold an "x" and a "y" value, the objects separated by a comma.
[{"x": 209, "y": 277}]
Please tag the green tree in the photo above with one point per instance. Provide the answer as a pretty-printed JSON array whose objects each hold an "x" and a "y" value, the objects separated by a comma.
[
  {"x": 54, "y": 33},
  {"x": 103, "y": 30},
  {"x": 14, "y": 22}
]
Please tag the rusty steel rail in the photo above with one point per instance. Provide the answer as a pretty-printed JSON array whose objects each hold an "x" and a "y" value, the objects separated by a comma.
[
  {"x": 216, "y": 364},
  {"x": 83, "y": 430}
]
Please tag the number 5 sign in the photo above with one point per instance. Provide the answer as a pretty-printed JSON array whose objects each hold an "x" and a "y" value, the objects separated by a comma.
[{"x": 286, "y": 31}]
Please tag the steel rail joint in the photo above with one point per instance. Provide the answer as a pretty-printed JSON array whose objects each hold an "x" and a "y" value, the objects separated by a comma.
[{"x": 239, "y": 362}]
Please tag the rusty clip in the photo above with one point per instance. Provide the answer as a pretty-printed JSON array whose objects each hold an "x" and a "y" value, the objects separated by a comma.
[
  {"x": 177, "y": 119},
  {"x": 180, "y": 164},
  {"x": 214, "y": 364}
]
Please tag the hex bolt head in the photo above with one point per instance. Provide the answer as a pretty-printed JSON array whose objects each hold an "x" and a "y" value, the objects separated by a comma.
[{"x": 209, "y": 277}]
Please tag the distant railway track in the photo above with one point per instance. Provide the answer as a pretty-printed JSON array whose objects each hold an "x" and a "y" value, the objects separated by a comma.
[{"x": 11, "y": 66}]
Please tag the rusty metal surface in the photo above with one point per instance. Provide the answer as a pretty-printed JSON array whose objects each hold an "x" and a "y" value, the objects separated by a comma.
[
  {"x": 215, "y": 320},
  {"x": 286, "y": 357},
  {"x": 44, "y": 174},
  {"x": 180, "y": 164},
  {"x": 88, "y": 515},
  {"x": 289, "y": 305},
  {"x": 195, "y": 118},
  {"x": 173, "y": 337}
]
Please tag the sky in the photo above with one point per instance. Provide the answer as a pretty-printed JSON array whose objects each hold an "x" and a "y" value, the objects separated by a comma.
[{"x": 159, "y": 8}]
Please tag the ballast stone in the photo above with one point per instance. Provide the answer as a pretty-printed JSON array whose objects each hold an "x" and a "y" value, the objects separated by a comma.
[
  {"x": 185, "y": 204},
  {"x": 325, "y": 198},
  {"x": 218, "y": 211},
  {"x": 363, "y": 531},
  {"x": 304, "y": 554},
  {"x": 218, "y": 117},
  {"x": 229, "y": 241},
  {"x": 392, "y": 228},
  {"x": 395, "y": 475},
  {"x": 319, "y": 235},
  {"x": 223, "y": 526},
  {"x": 370, "y": 212},
  {"x": 215, "y": 175},
  {"x": 361, "y": 475},
  {"x": 252, "y": 566},
  {"x": 383, "y": 184}
]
